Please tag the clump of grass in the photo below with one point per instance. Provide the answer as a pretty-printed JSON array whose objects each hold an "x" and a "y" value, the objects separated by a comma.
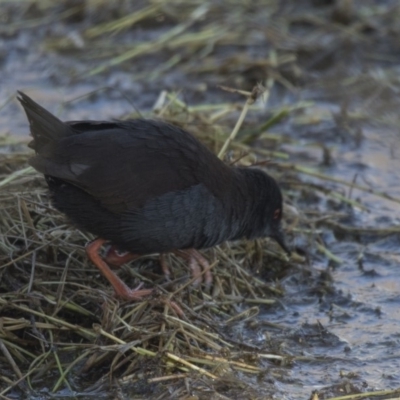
[{"x": 59, "y": 316}]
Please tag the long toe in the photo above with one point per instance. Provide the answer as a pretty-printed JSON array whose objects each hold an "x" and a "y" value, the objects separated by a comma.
[
  {"x": 196, "y": 271},
  {"x": 121, "y": 289},
  {"x": 198, "y": 265},
  {"x": 205, "y": 265}
]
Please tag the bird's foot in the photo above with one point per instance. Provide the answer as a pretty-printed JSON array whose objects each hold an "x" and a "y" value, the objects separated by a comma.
[
  {"x": 116, "y": 258},
  {"x": 198, "y": 265},
  {"x": 121, "y": 289}
]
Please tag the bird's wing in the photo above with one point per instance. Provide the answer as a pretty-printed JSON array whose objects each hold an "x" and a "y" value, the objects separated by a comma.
[{"x": 124, "y": 164}]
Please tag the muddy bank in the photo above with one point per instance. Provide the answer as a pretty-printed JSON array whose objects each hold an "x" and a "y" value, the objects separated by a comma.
[{"x": 271, "y": 328}]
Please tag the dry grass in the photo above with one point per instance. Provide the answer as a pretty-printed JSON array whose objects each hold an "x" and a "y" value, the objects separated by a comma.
[
  {"x": 60, "y": 319},
  {"x": 59, "y": 316},
  {"x": 60, "y": 324}
]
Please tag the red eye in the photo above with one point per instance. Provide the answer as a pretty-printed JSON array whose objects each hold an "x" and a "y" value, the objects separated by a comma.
[{"x": 277, "y": 213}]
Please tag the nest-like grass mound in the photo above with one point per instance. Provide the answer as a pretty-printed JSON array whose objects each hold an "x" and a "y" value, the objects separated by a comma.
[{"x": 61, "y": 321}]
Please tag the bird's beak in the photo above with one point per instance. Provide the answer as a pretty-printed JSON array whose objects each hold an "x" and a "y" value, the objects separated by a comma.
[{"x": 280, "y": 239}]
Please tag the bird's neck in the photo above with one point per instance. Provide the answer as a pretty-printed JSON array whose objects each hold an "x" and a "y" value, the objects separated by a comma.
[{"x": 247, "y": 194}]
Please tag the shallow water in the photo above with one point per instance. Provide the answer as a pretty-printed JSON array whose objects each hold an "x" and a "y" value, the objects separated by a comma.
[{"x": 344, "y": 318}]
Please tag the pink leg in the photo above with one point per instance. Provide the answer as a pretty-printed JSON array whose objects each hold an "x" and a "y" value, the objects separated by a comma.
[
  {"x": 196, "y": 263},
  {"x": 121, "y": 289},
  {"x": 205, "y": 265},
  {"x": 117, "y": 258}
]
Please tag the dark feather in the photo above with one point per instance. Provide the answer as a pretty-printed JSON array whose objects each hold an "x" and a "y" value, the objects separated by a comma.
[{"x": 148, "y": 186}]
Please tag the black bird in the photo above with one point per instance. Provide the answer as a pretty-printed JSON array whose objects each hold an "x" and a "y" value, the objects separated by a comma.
[{"x": 146, "y": 186}]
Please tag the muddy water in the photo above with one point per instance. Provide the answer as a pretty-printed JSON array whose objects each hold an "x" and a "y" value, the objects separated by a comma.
[
  {"x": 343, "y": 319},
  {"x": 360, "y": 310}
]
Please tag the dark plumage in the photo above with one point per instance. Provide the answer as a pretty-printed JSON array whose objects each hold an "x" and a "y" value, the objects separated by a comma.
[{"x": 147, "y": 186}]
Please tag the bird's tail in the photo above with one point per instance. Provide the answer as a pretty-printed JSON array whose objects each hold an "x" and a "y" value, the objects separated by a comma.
[{"x": 45, "y": 127}]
